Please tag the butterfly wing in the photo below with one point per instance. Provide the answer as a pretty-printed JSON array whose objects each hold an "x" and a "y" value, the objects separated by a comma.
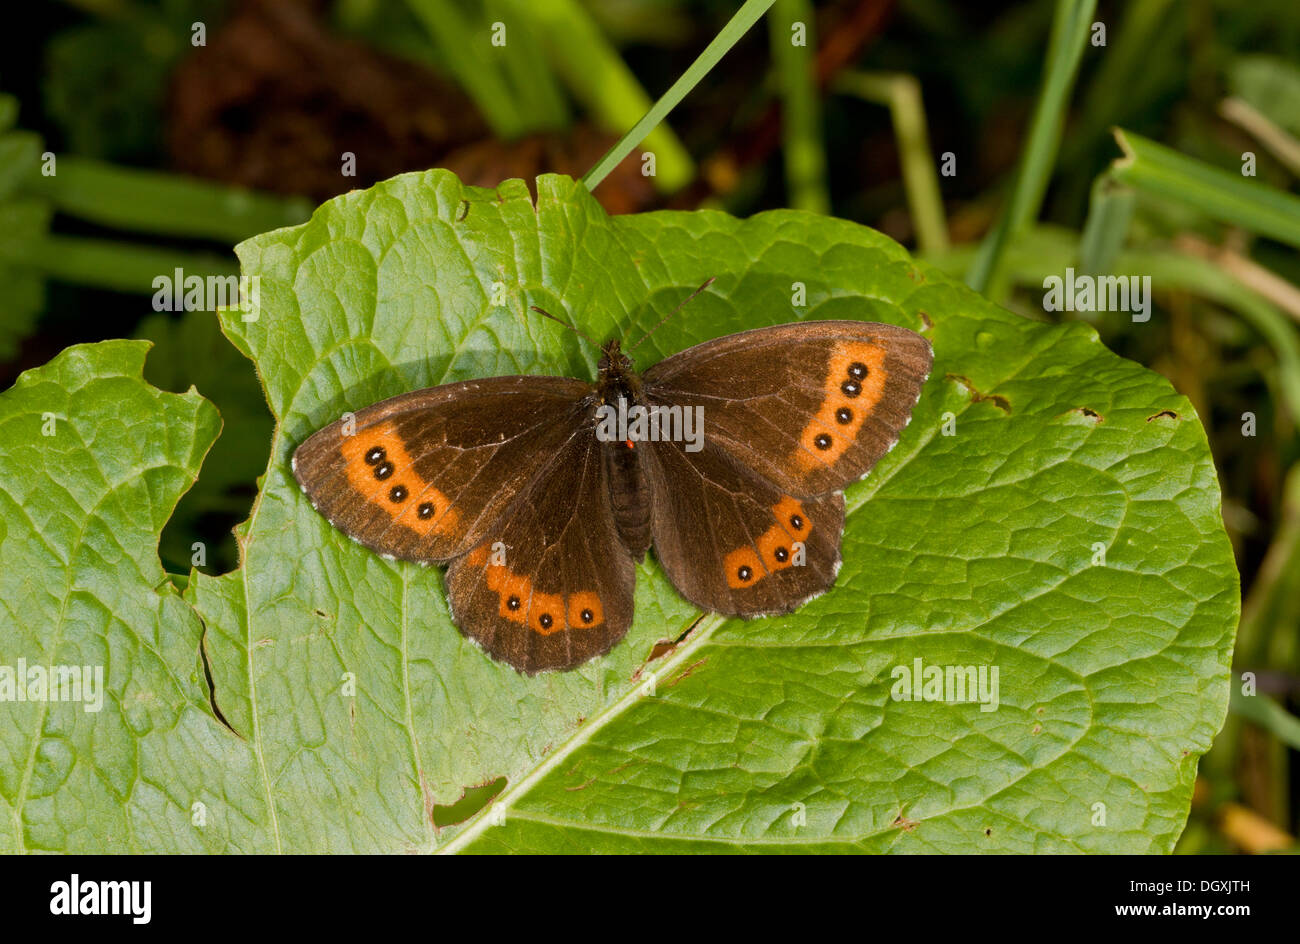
[
  {"x": 731, "y": 541},
  {"x": 550, "y": 586},
  {"x": 751, "y": 523},
  {"x": 424, "y": 475},
  {"x": 504, "y": 478},
  {"x": 811, "y": 407}
]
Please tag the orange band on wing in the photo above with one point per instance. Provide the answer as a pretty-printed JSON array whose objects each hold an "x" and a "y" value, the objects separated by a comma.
[
  {"x": 544, "y": 613},
  {"x": 379, "y": 468},
  {"x": 776, "y": 547},
  {"x": 854, "y": 382}
]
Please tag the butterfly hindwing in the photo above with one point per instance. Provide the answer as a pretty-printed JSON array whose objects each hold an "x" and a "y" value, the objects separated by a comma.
[
  {"x": 734, "y": 543},
  {"x": 422, "y": 476},
  {"x": 551, "y": 584},
  {"x": 811, "y": 407}
]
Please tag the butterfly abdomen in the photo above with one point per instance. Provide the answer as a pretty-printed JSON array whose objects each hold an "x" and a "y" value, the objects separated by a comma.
[{"x": 629, "y": 495}]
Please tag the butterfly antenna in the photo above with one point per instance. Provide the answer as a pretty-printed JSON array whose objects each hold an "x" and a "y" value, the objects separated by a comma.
[
  {"x": 673, "y": 312},
  {"x": 573, "y": 328}
]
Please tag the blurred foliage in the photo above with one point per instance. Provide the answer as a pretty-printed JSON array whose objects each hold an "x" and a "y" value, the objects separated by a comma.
[
  {"x": 106, "y": 80},
  {"x": 24, "y": 218},
  {"x": 854, "y": 124}
]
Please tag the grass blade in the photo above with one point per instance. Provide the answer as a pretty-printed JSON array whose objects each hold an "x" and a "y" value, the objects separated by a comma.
[
  {"x": 902, "y": 94},
  {"x": 1220, "y": 194},
  {"x": 801, "y": 120},
  {"x": 465, "y": 52},
  {"x": 1107, "y": 225},
  {"x": 727, "y": 37},
  {"x": 1070, "y": 29},
  {"x": 604, "y": 84},
  {"x": 105, "y": 263}
]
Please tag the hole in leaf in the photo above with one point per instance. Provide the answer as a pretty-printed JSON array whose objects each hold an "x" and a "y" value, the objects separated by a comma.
[
  {"x": 470, "y": 802},
  {"x": 665, "y": 646}
]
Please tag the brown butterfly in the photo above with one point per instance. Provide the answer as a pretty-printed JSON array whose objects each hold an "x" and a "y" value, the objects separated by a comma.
[{"x": 543, "y": 492}]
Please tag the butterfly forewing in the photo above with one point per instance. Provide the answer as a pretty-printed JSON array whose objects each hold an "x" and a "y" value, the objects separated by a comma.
[
  {"x": 811, "y": 407},
  {"x": 424, "y": 475}
]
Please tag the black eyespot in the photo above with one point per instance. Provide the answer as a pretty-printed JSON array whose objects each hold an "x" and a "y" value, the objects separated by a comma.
[
  {"x": 844, "y": 415},
  {"x": 383, "y": 470},
  {"x": 397, "y": 493},
  {"x": 857, "y": 370},
  {"x": 851, "y": 388},
  {"x": 375, "y": 454},
  {"x": 744, "y": 573},
  {"x": 587, "y": 616},
  {"x": 425, "y": 510},
  {"x": 822, "y": 441},
  {"x": 512, "y": 603},
  {"x": 781, "y": 555},
  {"x": 796, "y": 522},
  {"x": 545, "y": 621}
]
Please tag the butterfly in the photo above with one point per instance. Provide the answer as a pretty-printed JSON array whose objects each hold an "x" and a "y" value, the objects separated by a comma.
[{"x": 542, "y": 493}]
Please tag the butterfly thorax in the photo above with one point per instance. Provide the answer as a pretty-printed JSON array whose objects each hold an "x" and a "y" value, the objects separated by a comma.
[
  {"x": 616, "y": 377},
  {"x": 625, "y": 477}
]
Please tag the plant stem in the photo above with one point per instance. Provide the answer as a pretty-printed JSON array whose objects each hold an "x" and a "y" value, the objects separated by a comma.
[
  {"x": 1070, "y": 29},
  {"x": 727, "y": 37},
  {"x": 801, "y": 125},
  {"x": 601, "y": 80},
  {"x": 902, "y": 94}
]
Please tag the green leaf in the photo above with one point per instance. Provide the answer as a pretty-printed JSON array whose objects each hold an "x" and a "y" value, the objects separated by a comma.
[
  {"x": 92, "y": 461},
  {"x": 364, "y": 717}
]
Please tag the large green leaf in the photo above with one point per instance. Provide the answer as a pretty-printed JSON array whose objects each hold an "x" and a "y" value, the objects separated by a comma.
[
  {"x": 92, "y": 462},
  {"x": 360, "y": 708}
]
